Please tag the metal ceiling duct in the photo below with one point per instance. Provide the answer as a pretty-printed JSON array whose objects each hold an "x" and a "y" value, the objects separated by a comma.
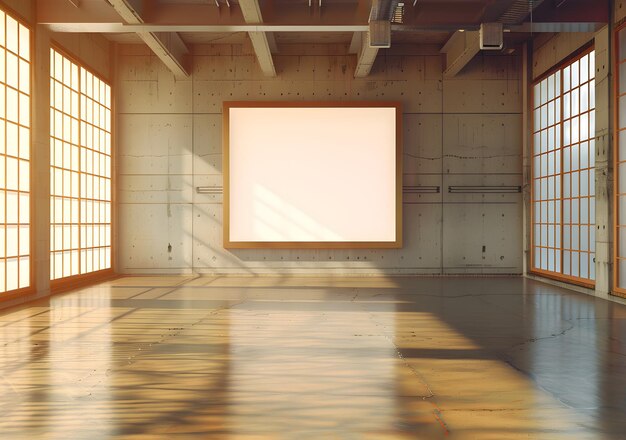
[
  {"x": 518, "y": 11},
  {"x": 383, "y": 9},
  {"x": 381, "y": 15}
]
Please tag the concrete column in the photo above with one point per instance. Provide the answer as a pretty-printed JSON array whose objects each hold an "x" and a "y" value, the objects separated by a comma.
[
  {"x": 604, "y": 168},
  {"x": 114, "y": 56},
  {"x": 526, "y": 159}
]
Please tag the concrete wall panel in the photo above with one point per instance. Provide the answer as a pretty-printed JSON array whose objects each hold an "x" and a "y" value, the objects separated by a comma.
[
  {"x": 482, "y": 96},
  {"x": 156, "y": 143},
  {"x": 163, "y": 94},
  {"x": 482, "y": 143},
  {"x": 164, "y": 188},
  {"x": 493, "y": 244},
  {"x": 138, "y": 68},
  {"x": 422, "y": 250},
  {"x": 482, "y": 67},
  {"x": 422, "y": 136},
  {"x": 620, "y": 10},
  {"x": 551, "y": 50},
  {"x": 207, "y": 144},
  {"x": 148, "y": 229},
  {"x": 170, "y": 143}
]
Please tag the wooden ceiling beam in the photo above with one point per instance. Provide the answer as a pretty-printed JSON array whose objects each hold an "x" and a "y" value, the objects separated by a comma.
[
  {"x": 168, "y": 46},
  {"x": 251, "y": 11},
  {"x": 366, "y": 57}
]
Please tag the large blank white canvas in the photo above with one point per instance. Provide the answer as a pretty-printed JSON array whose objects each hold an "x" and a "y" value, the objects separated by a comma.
[{"x": 312, "y": 174}]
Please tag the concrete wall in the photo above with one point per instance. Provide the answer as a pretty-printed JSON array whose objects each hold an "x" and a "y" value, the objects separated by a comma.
[
  {"x": 550, "y": 49},
  {"x": 463, "y": 131},
  {"x": 619, "y": 10}
]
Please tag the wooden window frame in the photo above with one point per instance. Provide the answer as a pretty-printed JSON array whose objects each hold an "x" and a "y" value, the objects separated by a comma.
[
  {"x": 30, "y": 289},
  {"x": 558, "y": 68},
  {"x": 81, "y": 279}
]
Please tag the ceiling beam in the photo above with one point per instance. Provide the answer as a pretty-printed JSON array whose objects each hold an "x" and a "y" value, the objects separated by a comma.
[
  {"x": 205, "y": 13},
  {"x": 251, "y": 11},
  {"x": 460, "y": 49},
  {"x": 64, "y": 11},
  {"x": 170, "y": 49},
  {"x": 361, "y": 41},
  {"x": 260, "y": 42},
  {"x": 355, "y": 43},
  {"x": 263, "y": 52},
  {"x": 168, "y": 46},
  {"x": 557, "y": 27},
  {"x": 442, "y": 15},
  {"x": 365, "y": 57},
  {"x": 120, "y": 28}
]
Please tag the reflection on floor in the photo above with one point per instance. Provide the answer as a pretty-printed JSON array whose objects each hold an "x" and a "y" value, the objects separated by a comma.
[{"x": 173, "y": 357}]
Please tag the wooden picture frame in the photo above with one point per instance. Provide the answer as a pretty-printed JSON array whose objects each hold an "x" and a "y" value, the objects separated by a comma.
[{"x": 231, "y": 244}]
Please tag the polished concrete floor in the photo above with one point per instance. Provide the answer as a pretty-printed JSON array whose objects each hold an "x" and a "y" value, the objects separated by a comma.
[{"x": 339, "y": 358}]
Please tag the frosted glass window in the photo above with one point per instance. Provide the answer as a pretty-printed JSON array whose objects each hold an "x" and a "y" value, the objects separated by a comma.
[
  {"x": 14, "y": 154},
  {"x": 584, "y": 183},
  {"x": 575, "y": 102},
  {"x": 575, "y": 184},
  {"x": 584, "y": 69},
  {"x": 575, "y": 237},
  {"x": 584, "y": 238},
  {"x": 584, "y": 210},
  {"x": 584, "y": 97},
  {"x": 584, "y": 155},
  {"x": 80, "y": 169},
  {"x": 564, "y": 102},
  {"x": 575, "y": 74},
  {"x": 575, "y": 264},
  {"x": 551, "y": 260},
  {"x": 567, "y": 263}
]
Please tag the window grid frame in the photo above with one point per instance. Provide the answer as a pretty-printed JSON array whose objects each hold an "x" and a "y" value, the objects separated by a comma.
[
  {"x": 559, "y": 196},
  {"x": 83, "y": 124},
  {"x": 617, "y": 161},
  {"x": 21, "y": 22},
  {"x": 556, "y": 125}
]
